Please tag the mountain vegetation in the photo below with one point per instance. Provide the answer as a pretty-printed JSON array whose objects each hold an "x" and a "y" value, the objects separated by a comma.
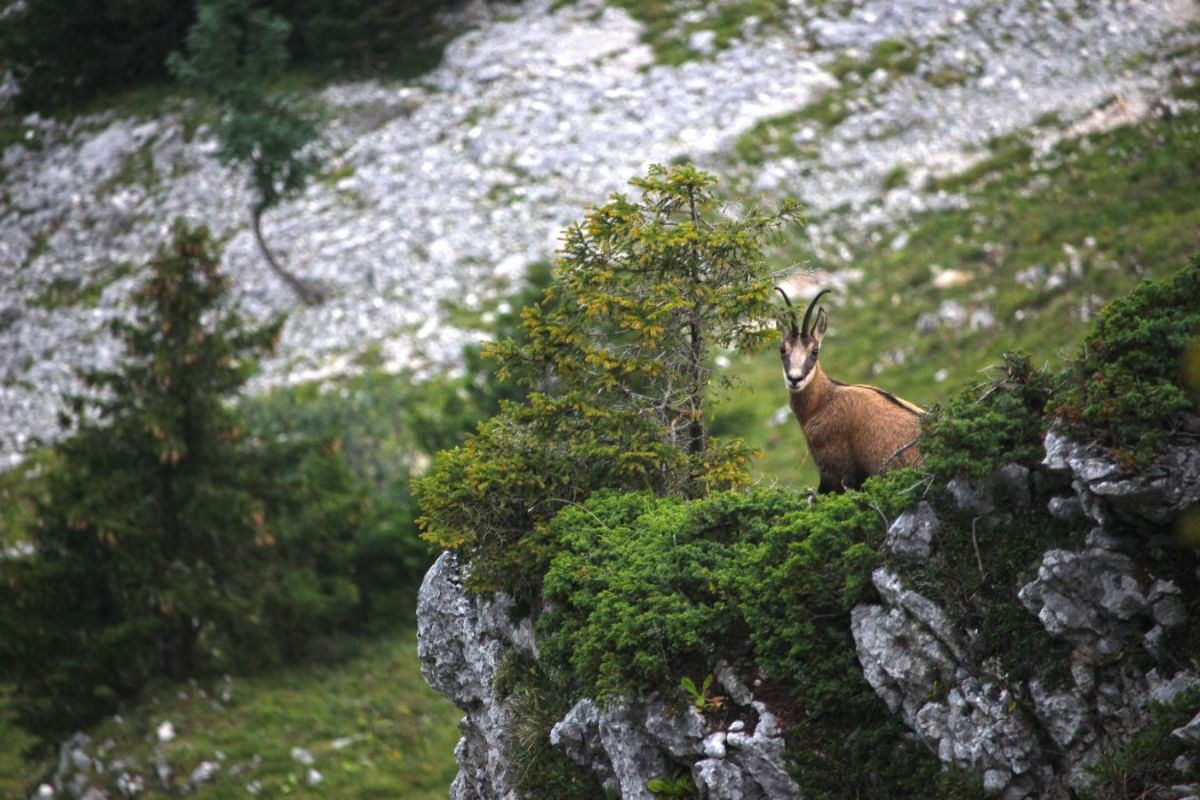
[
  {"x": 68, "y": 54},
  {"x": 643, "y": 585},
  {"x": 168, "y": 542},
  {"x": 246, "y": 566}
]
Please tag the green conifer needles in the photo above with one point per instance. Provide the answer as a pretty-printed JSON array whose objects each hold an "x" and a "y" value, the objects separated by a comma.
[{"x": 617, "y": 360}]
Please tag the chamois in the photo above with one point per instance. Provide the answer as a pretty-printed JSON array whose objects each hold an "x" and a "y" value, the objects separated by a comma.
[{"x": 853, "y": 432}]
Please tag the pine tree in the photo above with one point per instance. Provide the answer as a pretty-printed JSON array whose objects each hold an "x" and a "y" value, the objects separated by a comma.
[
  {"x": 168, "y": 535},
  {"x": 233, "y": 51}
]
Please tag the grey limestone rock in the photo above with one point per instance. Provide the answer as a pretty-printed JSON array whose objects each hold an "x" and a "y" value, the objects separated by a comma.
[
  {"x": 630, "y": 742},
  {"x": 975, "y": 729},
  {"x": 1067, "y": 508},
  {"x": 578, "y": 735},
  {"x": 1093, "y": 599},
  {"x": 913, "y": 531},
  {"x": 915, "y": 660},
  {"x": 973, "y": 496},
  {"x": 717, "y": 779},
  {"x": 635, "y": 754},
  {"x": 1067, "y": 718},
  {"x": 1165, "y": 690},
  {"x": 1190, "y": 733},
  {"x": 681, "y": 736},
  {"x": 462, "y": 641},
  {"x": 733, "y": 687},
  {"x": 1153, "y": 495}
]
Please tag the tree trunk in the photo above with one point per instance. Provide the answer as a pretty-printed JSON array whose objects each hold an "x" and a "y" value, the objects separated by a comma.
[
  {"x": 699, "y": 437},
  {"x": 179, "y": 649},
  {"x": 307, "y": 294}
]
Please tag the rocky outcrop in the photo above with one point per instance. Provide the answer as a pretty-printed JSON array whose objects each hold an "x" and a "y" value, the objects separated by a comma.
[
  {"x": 463, "y": 641},
  {"x": 1103, "y": 601},
  {"x": 1095, "y": 600},
  {"x": 1113, "y": 606},
  {"x": 917, "y": 661}
]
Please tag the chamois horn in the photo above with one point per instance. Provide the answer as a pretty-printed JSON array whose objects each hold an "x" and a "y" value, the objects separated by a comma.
[
  {"x": 791, "y": 311},
  {"x": 808, "y": 314}
]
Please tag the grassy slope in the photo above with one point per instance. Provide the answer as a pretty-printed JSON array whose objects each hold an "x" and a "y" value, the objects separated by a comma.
[
  {"x": 1135, "y": 191},
  {"x": 402, "y": 734},
  {"x": 16, "y": 773}
]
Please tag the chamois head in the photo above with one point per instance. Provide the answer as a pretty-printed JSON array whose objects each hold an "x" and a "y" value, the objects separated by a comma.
[{"x": 801, "y": 346}]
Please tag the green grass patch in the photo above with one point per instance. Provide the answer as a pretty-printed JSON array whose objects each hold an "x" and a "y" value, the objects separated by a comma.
[
  {"x": 667, "y": 33},
  {"x": 893, "y": 56},
  {"x": 375, "y": 729},
  {"x": 895, "y": 178}
]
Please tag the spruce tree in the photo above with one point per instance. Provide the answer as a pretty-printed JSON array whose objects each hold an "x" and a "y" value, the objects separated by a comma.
[{"x": 168, "y": 536}]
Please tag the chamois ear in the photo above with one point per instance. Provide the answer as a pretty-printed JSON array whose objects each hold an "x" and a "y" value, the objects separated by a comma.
[{"x": 819, "y": 326}]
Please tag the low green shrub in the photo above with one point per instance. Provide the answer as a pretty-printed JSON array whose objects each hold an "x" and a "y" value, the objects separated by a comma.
[
  {"x": 1126, "y": 385},
  {"x": 997, "y": 422},
  {"x": 646, "y": 589}
]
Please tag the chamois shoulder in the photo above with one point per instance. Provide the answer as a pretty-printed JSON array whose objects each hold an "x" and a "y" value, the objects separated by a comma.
[{"x": 899, "y": 402}]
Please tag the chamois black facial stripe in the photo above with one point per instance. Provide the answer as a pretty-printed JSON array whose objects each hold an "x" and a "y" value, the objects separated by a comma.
[{"x": 809, "y": 363}]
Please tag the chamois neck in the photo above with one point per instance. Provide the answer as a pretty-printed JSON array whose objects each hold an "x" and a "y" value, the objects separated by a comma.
[{"x": 808, "y": 400}]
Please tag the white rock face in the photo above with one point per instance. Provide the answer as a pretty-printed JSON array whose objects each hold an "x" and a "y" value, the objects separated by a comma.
[
  {"x": 1092, "y": 599},
  {"x": 913, "y": 531},
  {"x": 1108, "y": 491}
]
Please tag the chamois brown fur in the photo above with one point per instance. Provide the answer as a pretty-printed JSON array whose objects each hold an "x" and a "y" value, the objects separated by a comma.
[{"x": 853, "y": 431}]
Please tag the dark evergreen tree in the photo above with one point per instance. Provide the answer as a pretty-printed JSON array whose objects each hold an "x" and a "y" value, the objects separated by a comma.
[
  {"x": 169, "y": 539},
  {"x": 398, "y": 37},
  {"x": 65, "y": 51}
]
